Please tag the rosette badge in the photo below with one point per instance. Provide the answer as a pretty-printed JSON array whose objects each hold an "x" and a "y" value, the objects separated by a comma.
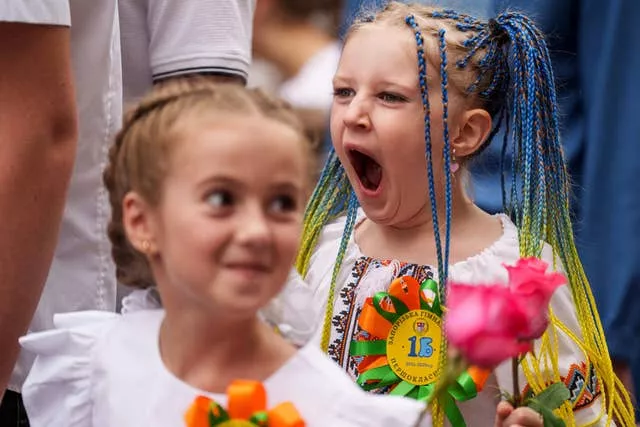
[{"x": 401, "y": 352}]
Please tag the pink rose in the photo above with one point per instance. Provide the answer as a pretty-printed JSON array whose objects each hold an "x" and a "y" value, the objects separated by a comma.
[
  {"x": 484, "y": 323},
  {"x": 530, "y": 280},
  {"x": 490, "y": 324}
]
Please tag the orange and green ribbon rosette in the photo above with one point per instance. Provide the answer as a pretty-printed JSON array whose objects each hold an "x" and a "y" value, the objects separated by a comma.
[
  {"x": 404, "y": 348},
  {"x": 246, "y": 408}
]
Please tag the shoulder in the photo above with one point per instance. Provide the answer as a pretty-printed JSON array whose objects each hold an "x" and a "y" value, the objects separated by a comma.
[
  {"x": 488, "y": 265},
  {"x": 60, "y": 387},
  {"x": 77, "y": 336},
  {"x": 73, "y": 333},
  {"x": 326, "y": 250}
]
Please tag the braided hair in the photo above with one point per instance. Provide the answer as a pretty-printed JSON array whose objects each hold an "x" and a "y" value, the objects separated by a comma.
[
  {"x": 139, "y": 156},
  {"x": 502, "y": 66}
]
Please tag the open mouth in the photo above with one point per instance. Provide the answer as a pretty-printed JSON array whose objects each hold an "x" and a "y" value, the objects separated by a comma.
[{"x": 368, "y": 170}]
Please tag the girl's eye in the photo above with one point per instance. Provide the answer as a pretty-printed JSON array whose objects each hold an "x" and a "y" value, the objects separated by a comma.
[
  {"x": 283, "y": 204},
  {"x": 392, "y": 97},
  {"x": 220, "y": 199},
  {"x": 343, "y": 92}
]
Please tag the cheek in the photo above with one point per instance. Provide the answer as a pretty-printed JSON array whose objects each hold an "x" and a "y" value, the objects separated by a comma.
[
  {"x": 193, "y": 237},
  {"x": 336, "y": 127},
  {"x": 407, "y": 149},
  {"x": 287, "y": 242}
]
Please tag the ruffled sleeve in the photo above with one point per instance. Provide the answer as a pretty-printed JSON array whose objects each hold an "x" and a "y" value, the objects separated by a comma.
[
  {"x": 293, "y": 312},
  {"x": 58, "y": 390},
  {"x": 324, "y": 257},
  {"x": 141, "y": 299}
]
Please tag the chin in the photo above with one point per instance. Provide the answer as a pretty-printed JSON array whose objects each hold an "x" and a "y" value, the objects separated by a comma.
[
  {"x": 382, "y": 214},
  {"x": 242, "y": 308}
]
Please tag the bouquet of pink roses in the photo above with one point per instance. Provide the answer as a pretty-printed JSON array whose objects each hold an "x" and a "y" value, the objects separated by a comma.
[{"x": 488, "y": 324}]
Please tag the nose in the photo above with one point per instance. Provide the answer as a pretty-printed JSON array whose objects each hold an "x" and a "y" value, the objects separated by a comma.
[
  {"x": 357, "y": 115},
  {"x": 253, "y": 229}
]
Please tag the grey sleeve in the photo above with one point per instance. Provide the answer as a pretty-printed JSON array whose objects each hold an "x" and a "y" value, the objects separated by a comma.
[{"x": 200, "y": 37}]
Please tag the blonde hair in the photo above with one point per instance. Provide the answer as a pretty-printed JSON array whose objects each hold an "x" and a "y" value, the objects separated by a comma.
[
  {"x": 139, "y": 157},
  {"x": 476, "y": 74}
]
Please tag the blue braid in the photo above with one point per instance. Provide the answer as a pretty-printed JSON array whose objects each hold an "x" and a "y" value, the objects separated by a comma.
[
  {"x": 446, "y": 153},
  {"x": 516, "y": 66},
  {"x": 422, "y": 75},
  {"x": 352, "y": 213},
  {"x": 503, "y": 158},
  {"x": 475, "y": 43}
]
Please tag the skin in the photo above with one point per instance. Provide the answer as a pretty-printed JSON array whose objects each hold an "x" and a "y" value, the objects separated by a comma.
[
  {"x": 39, "y": 133},
  {"x": 507, "y": 416},
  {"x": 378, "y": 110},
  {"x": 222, "y": 241}
]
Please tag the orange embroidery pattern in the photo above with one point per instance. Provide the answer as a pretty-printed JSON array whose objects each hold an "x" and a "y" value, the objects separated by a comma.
[{"x": 583, "y": 384}]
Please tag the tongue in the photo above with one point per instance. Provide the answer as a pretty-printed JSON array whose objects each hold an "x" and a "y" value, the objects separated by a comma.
[{"x": 373, "y": 175}]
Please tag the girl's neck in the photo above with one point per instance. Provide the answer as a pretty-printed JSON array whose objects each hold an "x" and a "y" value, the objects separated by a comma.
[
  {"x": 472, "y": 231},
  {"x": 210, "y": 353}
]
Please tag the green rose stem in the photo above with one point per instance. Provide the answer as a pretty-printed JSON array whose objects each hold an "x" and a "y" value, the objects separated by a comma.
[{"x": 517, "y": 399}]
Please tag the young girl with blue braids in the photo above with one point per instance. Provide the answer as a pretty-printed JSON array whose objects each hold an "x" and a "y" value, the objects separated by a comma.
[{"x": 413, "y": 78}]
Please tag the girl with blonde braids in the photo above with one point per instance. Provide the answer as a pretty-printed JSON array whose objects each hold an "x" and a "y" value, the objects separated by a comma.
[
  {"x": 413, "y": 77},
  {"x": 207, "y": 186}
]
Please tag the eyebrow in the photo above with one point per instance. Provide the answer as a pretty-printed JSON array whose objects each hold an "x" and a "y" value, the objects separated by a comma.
[
  {"x": 287, "y": 186},
  {"x": 220, "y": 180},
  {"x": 234, "y": 183},
  {"x": 341, "y": 79},
  {"x": 337, "y": 78},
  {"x": 399, "y": 85}
]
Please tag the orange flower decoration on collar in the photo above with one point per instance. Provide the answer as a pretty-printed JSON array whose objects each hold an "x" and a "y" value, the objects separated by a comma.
[{"x": 246, "y": 408}]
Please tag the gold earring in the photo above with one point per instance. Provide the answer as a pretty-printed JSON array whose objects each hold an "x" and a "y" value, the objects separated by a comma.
[
  {"x": 454, "y": 165},
  {"x": 146, "y": 246}
]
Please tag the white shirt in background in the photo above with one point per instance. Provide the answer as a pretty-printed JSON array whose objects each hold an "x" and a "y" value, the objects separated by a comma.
[{"x": 312, "y": 87}]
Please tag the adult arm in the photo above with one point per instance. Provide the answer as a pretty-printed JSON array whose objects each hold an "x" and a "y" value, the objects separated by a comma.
[{"x": 38, "y": 133}]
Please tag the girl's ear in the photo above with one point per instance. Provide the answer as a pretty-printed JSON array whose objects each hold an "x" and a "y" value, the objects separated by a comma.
[
  {"x": 139, "y": 224},
  {"x": 475, "y": 126}
]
